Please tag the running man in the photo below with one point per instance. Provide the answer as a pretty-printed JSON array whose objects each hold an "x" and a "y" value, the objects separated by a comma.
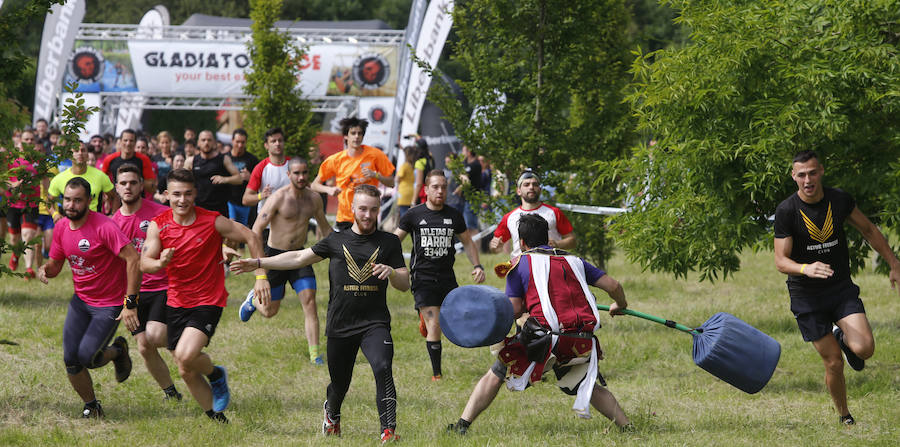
[
  {"x": 811, "y": 248},
  {"x": 134, "y": 217},
  {"x": 270, "y": 174},
  {"x": 363, "y": 261},
  {"x": 356, "y": 165},
  {"x": 106, "y": 274},
  {"x": 564, "y": 306},
  {"x": 288, "y": 210},
  {"x": 186, "y": 240},
  {"x": 528, "y": 187},
  {"x": 432, "y": 226}
]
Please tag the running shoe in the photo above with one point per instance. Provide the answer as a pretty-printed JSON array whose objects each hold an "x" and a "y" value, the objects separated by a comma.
[
  {"x": 174, "y": 397},
  {"x": 30, "y": 274},
  {"x": 319, "y": 360},
  {"x": 330, "y": 426},
  {"x": 92, "y": 412},
  {"x": 122, "y": 362},
  {"x": 422, "y": 328},
  {"x": 247, "y": 308},
  {"x": 456, "y": 428},
  {"x": 221, "y": 394},
  {"x": 436, "y": 378},
  {"x": 388, "y": 435},
  {"x": 848, "y": 419},
  {"x": 13, "y": 262},
  {"x": 219, "y": 417},
  {"x": 852, "y": 359}
]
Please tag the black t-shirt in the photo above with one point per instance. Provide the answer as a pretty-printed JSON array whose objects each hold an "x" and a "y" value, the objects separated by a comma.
[
  {"x": 210, "y": 196},
  {"x": 817, "y": 232},
  {"x": 117, "y": 162},
  {"x": 358, "y": 300},
  {"x": 432, "y": 233},
  {"x": 246, "y": 161},
  {"x": 473, "y": 171}
]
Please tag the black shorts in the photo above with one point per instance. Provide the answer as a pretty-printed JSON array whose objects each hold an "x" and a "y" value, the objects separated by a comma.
[
  {"x": 279, "y": 278},
  {"x": 151, "y": 307},
  {"x": 829, "y": 308},
  {"x": 430, "y": 292},
  {"x": 18, "y": 218},
  {"x": 204, "y": 318}
]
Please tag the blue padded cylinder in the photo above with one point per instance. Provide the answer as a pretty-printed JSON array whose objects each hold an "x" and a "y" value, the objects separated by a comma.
[
  {"x": 473, "y": 316},
  {"x": 736, "y": 352}
]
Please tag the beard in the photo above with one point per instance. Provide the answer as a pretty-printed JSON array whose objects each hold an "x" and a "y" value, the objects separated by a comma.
[{"x": 75, "y": 215}]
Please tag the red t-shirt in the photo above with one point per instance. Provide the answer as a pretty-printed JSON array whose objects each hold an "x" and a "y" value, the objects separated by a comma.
[
  {"x": 111, "y": 163},
  {"x": 135, "y": 228},
  {"x": 196, "y": 276},
  {"x": 98, "y": 272},
  {"x": 508, "y": 228}
]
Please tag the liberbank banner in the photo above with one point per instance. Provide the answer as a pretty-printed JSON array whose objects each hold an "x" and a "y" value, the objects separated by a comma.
[{"x": 175, "y": 67}]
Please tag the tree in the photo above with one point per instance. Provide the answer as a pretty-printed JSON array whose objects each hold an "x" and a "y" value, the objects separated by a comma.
[
  {"x": 546, "y": 81},
  {"x": 273, "y": 82},
  {"x": 759, "y": 82}
]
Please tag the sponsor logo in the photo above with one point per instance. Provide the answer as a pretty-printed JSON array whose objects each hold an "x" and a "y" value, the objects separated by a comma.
[
  {"x": 448, "y": 221},
  {"x": 377, "y": 114},
  {"x": 371, "y": 71},
  {"x": 86, "y": 64},
  {"x": 199, "y": 60},
  {"x": 84, "y": 245},
  {"x": 360, "y": 274},
  {"x": 820, "y": 234},
  {"x": 423, "y": 222}
]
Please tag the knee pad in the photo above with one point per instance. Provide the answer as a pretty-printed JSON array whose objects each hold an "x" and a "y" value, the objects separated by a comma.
[{"x": 73, "y": 369}]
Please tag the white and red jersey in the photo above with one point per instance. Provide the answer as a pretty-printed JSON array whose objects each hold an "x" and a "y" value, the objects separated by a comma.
[
  {"x": 508, "y": 228},
  {"x": 267, "y": 173}
]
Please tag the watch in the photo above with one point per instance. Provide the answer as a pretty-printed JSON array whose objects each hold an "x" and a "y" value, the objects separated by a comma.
[{"x": 131, "y": 301}]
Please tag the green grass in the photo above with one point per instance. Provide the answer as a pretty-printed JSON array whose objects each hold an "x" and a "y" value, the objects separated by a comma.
[{"x": 277, "y": 395}]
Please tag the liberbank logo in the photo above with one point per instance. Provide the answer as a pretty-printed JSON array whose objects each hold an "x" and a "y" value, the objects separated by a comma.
[{"x": 819, "y": 234}]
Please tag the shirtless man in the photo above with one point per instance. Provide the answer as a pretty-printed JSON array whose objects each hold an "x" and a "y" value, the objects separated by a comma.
[{"x": 288, "y": 211}]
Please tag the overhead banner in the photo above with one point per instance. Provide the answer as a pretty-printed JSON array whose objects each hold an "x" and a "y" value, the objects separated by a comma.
[
  {"x": 167, "y": 67},
  {"x": 435, "y": 28},
  {"x": 60, "y": 27}
]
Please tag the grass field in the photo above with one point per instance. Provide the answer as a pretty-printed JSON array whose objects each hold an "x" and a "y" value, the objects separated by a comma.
[{"x": 277, "y": 394}]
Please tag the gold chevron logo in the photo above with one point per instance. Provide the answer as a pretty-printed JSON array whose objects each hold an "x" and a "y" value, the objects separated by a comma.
[
  {"x": 360, "y": 274},
  {"x": 817, "y": 234}
]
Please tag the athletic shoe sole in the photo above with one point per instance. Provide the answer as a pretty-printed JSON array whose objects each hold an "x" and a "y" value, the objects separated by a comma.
[
  {"x": 221, "y": 393},
  {"x": 330, "y": 427},
  {"x": 122, "y": 363},
  {"x": 852, "y": 359},
  {"x": 247, "y": 308}
]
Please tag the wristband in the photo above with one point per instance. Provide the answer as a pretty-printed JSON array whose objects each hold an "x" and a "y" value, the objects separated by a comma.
[
  {"x": 802, "y": 267},
  {"x": 478, "y": 266},
  {"x": 258, "y": 264},
  {"x": 262, "y": 277},
  {"x": 259, "y": 196},
  {"x": 391, "y": 275}
]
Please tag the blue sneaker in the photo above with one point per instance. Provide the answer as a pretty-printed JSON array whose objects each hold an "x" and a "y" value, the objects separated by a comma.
[
  {"x": 221, "y": 395},
  {"x": 247, "y": 308},
  {"x": 319, "y": 360}
]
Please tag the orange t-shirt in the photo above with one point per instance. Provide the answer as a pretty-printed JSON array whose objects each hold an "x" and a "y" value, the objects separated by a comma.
[{"x": 348, "y": 173}]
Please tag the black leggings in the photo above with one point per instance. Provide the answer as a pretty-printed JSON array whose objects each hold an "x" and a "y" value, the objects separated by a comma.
[
  {"x": 86, "y": 333},
  {"x": 378, "y": 347}
]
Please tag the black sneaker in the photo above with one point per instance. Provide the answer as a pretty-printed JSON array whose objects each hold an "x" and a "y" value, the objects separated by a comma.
[
  {"x": 174, "y": 397},
  {"x": 848, "y": 419},
  {"x": 92, "y": 412},
  {"x": 458, "y": 429},
  {"x": 852, "y": 359},
  {"x": 219, "y": 417},
  {"x": 123, "y": 361}
]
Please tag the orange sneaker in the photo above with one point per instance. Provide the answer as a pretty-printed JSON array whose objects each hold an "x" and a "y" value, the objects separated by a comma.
[
  {"x": 436, "y": 378},
  {"x": 422, "y": 328}
]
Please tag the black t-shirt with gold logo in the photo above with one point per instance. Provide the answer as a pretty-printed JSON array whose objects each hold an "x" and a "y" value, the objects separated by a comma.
[
  {"x": 818, "y": 235},
  {"x": 358, "y": 300}
]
